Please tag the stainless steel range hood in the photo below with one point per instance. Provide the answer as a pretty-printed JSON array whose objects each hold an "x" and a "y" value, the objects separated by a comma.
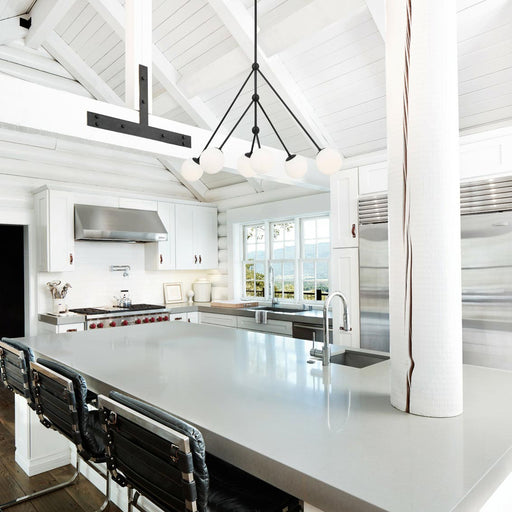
[{"x": 118, "y": 224}]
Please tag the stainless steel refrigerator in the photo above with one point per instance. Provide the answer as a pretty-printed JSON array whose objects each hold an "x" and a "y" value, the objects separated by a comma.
[{"x": 486, "y": 244}]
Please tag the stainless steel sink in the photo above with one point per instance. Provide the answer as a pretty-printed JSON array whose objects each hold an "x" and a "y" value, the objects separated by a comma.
[
  {"x": 357, "y": 359},
  {"x": 280, "y": 310}
]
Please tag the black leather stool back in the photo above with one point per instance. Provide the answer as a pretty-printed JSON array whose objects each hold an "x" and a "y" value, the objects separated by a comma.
[
  {"x": 149, "y": 452},
  {"x": 15, "y": 367},
  {"x": 61, "y": 403}
]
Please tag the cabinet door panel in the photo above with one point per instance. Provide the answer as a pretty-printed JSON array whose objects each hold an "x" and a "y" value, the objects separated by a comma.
[
  {"x": 185, "y": 250},
  {"x": 205, "y": 234},
  {"x": 61, "y": 232},
  {"x": 344, "y": 215},
  {"x": 345, "y": 278}
]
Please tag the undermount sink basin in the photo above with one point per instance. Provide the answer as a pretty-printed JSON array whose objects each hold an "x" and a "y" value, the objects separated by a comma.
[
  {"x": 357, "y": 359},
  {"x": 280, "y": 310}
]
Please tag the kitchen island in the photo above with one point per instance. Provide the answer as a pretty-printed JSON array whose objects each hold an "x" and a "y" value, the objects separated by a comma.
[{"x": 327, "y": 435}]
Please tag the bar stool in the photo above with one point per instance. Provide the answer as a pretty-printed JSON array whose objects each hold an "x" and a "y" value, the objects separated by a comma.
[
  {"x": 60, "y": 396},
  {"x": 15, "y": 358},
  {"x": 162, "y": 458}
]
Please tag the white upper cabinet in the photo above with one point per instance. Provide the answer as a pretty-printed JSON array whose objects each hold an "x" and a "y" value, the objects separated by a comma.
[
  {"x": 196, "y": 237},
  {"x": 55, "y": 230},
  {"x": 138, "y": 204},
  {"x": 344, "y": 216},
  {"x": 162, "y": 255}
]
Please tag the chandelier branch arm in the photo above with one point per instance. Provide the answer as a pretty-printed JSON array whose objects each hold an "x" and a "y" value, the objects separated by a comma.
[
  {"x": 290, "y": 111},
  {"x": 229, "y": 110},
  {"x": 274, "y": 128},
  {"x": 236, "y": 124}
]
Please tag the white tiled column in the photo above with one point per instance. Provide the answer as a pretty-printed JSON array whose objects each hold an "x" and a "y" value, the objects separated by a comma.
[{"x": 424, "y": 218}]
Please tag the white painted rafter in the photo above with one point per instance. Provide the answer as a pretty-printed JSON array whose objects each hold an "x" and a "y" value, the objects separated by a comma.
[
  {"x": 63, "y": 53},
  {"x": 239, "y": 22},
  {"x": 113, "y": 13},
  {"x": 45, "y": 15},
  {"x": 10, "y": 29},
  {"x": 377, "y": 9}
]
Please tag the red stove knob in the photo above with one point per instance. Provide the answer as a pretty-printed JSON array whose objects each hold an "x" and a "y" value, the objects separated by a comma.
[
  {"x": 138, "y": 321},
  {"x": 159, "y": 319},
  {"x": 146, "y": 320},
  {"x": 112, "y": 324},
  {"x": 92, "y": 326},
  {"x": 100, "y": 325},
  {"x": 166, "y": 318},
  {"x": 124, "y": 322},
  {"x": 152, "y": 319}
]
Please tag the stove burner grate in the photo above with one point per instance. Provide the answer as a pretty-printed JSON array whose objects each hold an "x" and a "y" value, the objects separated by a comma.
[{"x": 87, "y": 311}]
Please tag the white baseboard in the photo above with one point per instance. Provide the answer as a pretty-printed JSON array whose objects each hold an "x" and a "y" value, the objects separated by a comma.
[{"x": 35, "y": 466}]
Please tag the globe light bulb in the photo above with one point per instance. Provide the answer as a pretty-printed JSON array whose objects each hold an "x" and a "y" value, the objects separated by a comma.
[
  {"x": 329, "y": 161},
  {"x": 262, "y": 161},
  {"x": 244, "y": 167},
  {"x": 211, "y": 160},
  {"x": 191, "y": 170},
  {"x": 296, "y": 166}
]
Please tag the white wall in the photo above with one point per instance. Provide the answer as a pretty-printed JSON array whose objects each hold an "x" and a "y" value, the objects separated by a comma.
[{"x": 93, "y": 284}]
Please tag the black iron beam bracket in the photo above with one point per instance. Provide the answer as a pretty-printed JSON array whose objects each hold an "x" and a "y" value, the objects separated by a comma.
[{"x": 142, "y": 128}]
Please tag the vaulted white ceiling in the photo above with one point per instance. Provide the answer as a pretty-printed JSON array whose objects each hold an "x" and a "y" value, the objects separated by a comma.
[{"x": 326, "y": 57}]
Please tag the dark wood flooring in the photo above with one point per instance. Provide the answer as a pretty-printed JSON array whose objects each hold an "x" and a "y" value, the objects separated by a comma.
[{"x": 80, "y": 497}]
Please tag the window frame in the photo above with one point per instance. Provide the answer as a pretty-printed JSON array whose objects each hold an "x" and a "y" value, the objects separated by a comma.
[{"x": 298, "y": 260}]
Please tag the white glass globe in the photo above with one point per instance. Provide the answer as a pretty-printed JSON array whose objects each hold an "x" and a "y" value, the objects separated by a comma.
[
  {"x": 211, "y": 160},
  {"x": 296, "y": 167},
  {"x": 244, "y": 167},
  {"x": 329, "y": 161},
  {"x": 190, "y": 170},
  {"x": 262, "y": 161}
]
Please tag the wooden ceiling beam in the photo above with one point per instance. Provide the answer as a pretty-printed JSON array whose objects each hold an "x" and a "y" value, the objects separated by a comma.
[
  {"x": 10, "y": 29},
  {"x": 113, "y": 13},
  {"x": 377, "y": 9},
  {"x": 63, "y": 53},
  {"x": 45, "y": 15}
]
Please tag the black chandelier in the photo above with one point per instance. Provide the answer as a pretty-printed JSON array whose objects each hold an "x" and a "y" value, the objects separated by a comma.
[{"x": 258, "y": 161}]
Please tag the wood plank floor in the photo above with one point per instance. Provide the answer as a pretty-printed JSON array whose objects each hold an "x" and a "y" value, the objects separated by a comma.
[{"x": 80, "y": 497}]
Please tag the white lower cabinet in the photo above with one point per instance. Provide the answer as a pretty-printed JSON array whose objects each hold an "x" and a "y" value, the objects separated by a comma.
[
  {"x": 217, "y": 319},
  {"x": 191, "y": 317},
  {"x": 345, "y": 279},
  {"x": 59, "y": 329},
  {"x": 271, "y": 327}
]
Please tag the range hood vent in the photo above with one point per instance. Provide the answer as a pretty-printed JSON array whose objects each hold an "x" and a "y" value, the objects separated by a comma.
[{"x": 118, "y": 224}]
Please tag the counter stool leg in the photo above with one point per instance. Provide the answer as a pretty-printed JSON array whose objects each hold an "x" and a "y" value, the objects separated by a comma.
[{"x": 43, "y": 492}]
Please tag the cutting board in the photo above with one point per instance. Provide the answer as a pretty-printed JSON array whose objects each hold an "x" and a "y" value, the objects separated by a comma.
[{"x": 233, "y": 304}]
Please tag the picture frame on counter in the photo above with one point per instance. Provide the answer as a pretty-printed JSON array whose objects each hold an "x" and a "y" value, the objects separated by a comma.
[{"x": 173, "y": 293}]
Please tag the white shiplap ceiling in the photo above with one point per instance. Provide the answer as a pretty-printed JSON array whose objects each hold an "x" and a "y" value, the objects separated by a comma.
[{"x": 333, "y": 64}]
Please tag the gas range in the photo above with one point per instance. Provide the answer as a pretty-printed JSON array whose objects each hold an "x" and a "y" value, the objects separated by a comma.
[{"x": 136, "y": 314}]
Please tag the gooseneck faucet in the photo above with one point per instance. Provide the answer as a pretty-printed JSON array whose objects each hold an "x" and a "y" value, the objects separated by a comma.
[{"x": 326, "y": 351}]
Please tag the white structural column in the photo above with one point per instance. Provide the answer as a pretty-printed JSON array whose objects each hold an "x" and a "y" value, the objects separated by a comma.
[
  {"x": 139, "y": 49},
  {"x": 424, "y": 217}
]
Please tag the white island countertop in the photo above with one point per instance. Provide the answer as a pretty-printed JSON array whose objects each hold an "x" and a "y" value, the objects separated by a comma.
[{"x": 328, "y": 436}]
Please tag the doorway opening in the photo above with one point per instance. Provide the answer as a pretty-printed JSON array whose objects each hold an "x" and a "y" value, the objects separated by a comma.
[{"x": 12, "y": 298}]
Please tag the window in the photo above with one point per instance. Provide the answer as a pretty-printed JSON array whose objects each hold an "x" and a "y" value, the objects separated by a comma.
[
  {"x": 298, "y": 252},
  {"x": 254, "y": 260},
  {"x": 282, "y": 259},
  {"x": 315, "y": 258}
]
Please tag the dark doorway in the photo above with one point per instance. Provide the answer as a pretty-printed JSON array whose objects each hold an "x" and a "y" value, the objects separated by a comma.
[{"x": 12, "y": 298}]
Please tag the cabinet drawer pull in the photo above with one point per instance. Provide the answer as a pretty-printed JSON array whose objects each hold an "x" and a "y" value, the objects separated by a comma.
[
  {"x": 195, "y": 259},
  {"x": 353, "y": 230},
  {"x": 178, "y": 318},
  {"x": 161, "y": 259},
  {"x": 71, "y": 258},
  {"x": 71, "y": 330},
  {"x": 199, "y": 258}
]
